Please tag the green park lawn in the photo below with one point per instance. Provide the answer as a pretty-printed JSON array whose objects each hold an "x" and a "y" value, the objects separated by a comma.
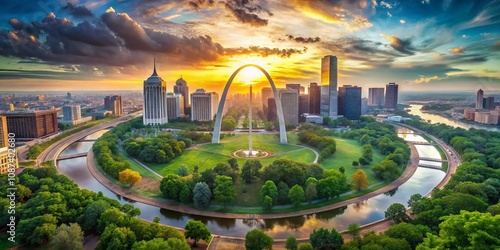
[
  {"x": 207, "y": 156},
  {"x": 347, "y": 152}
]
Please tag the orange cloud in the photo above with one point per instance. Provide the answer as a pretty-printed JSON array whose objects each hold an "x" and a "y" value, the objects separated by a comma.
[{"x": 458, "y": 50}]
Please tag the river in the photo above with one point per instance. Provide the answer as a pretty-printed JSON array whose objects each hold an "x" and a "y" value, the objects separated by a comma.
[
  {"x": 415, "y": 110},
  {"x": 370, "y": 210}
]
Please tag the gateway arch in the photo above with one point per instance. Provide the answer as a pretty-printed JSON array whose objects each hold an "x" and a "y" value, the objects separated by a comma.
[{"x": 279, "y": 109}]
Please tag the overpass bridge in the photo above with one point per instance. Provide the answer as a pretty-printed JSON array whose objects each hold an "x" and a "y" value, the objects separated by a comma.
[
  {"x": 66, "y": 157},
  {"x": 432, "y": 159}
]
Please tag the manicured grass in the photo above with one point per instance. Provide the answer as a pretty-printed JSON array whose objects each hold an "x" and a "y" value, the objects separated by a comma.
[
  {"x": 207, "y": 156},
  {"x": 136, "y": 167},
  {"x": 248, "y": 194},
  {"x": 349, "y": 151},
  {"x": 445, "y": 166},
  {"x": 26, "y": 164}
]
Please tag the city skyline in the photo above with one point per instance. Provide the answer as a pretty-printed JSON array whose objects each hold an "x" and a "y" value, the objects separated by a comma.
[{"x": 109, "y": 44}]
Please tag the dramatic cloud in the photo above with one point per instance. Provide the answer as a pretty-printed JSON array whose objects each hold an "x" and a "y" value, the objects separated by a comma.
[
  {"x": 303, "y": 39},
  {"x": 423, "y": 79},
  {"x": 78, "y": 11},
  {"x": 263, "y": 51},
  {"x": 243, "y": 16},
  {"x": 403, "y": 46},
  {"x": 458, "y": 50}
]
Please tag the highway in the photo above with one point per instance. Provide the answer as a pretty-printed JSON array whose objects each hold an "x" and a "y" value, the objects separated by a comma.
[{"x": 53, "y": 151}]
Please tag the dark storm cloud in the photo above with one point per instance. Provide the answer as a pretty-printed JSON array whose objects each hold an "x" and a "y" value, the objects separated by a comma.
[
  {"x": 304, "y": 39},
  {"x": 401, "y": 45},
  {"x": 244, "y": 11},
  {"x": 113, "y": 39},
  {"x": 246, "y": 17},
  {"x": 367, "y": 52},
  {"x": 262, "y": 51},
  {"x": 78, "y": 11}
]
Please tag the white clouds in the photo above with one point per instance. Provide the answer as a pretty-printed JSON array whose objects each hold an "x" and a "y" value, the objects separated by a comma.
[
  {"x": 386, "y": 5},
  {"x": 402, "y": 21},
  {"x": 423, "y": 79}
]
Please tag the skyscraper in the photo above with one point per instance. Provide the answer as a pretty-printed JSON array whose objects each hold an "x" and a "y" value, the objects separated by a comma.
[
  {"x": 349, "y": 102},
  {"x": 479, "y": 99},
  {"x": 155, "y": 103},
  {"x": 175, "y": 105},
  {"x": 293, "y": 86},
  {"x": 325, "y": 100},
  {"x": 376, "y": 96},
  {"x": 489, "y": 102},
  {"x": 4, "y": 133},
  {"x": 314, "y": 98},
  {"x": 303, "y": 104},
  {"x": 329, "y": 78},
  {"x": 181, "y": 88},
  {"x": 266, "y": 92},
  {"x": 272, "y": 112},
  {"x": 71, "y": 112},
  {"x": 114, "y": 103},
  {"x": 203, "y": 105},
  {"x": 391, "y": 96},
  {"x": 68, "y": 95},
  {"x": 290, "y": 105}
]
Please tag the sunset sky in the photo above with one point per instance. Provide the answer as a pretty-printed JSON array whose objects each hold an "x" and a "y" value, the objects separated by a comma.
[{"x": 425, "y": 45}]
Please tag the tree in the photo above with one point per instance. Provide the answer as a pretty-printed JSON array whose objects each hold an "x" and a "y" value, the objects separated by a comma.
[
  {"x": 358, "y": 180},
  {"x": 129, "y": 176},
  {"x": 283, "y": 190},
  {"x": 363, "y": 161},
  {"x": 250, "y": 170},
  {"x": 257, "y": 239},
  {"x": 354, "y": 229},
  {"x": 118, "y": 238},
  {"x": 269, "y": 189},
  {"x": 196, "y": 230},
  {"x": 267, "y": 203},
  {"x": 161, "y": 244},
  {"x": 311, "y": 192},
  {"x": 201, "y": 195},
  {"x": 223, "y": 168},
  {"x": 186, "y": 195},
  {"x": 291, "y": 243},
  {"x": 171, "y": 186},
  {"x": 413, "y": 234},
  {"x": 342, "y": 170},
  {"x": 234, "y": 164},
  {"x": 34, "y": 152},
  {"x": 386, "y": 170},
  {"x": 68, "y": 237},
  {"x": 183, "y": 170},
  {"x": 355, "y": 163},
  {"x": 37, "y": 230},
  {"x": 306, "y": 246},
  {"x": 92, "y": 214},
  {"x": 208, "y": 176},
  {"x": 224, "y": 189},
  {"x": 296, "y": 195},
  {"x": 396, "y": 212},
  {"x": 323, "y": 239},
  {"x": 228, "y": 124}
]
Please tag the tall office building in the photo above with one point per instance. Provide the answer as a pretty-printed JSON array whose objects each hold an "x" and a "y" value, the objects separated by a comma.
[
  {"x": 4, "y": 133},
  {"x": 329, "y": 78},
  {"x": 314, "y": 98},
  {"x": 68, "y": 95},
  {"x": 376, "y": 96},
  {"x": 290, "y": 105},
  {"x": 114, "y": 103},
  {"x": 204, "y": 105},
  {"x": 175, "y": 105},
  {"x": 391, "y": 96},
  {"x": 479, "y": 99},
  {"x": 155, "y": 103},
  {"x": 29, "y": 124},
  {"x": 324, "y": 100},
  {"x": 266, "y": 93},
  {"x": 349, "y": 102},
  {"x": 272, "y": 112},
  {"x": 181, "y": 88},
  {"x": 489, "y": 102},
  {"x": 303, "y": 104},
  {"x": 294, "y": 86},
  {"x": 71, "y": 112}
]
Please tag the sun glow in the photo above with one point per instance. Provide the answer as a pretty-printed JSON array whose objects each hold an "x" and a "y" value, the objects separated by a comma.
[{"x": 250, "y": 75}]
